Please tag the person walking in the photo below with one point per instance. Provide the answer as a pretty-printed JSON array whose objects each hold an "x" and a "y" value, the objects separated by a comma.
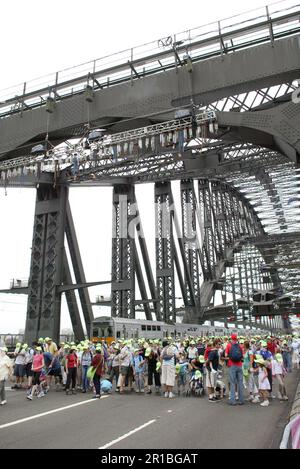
[
  {"x": 71, "y": 370},
  {"x": 234, "y": 354},
  {"x": 263, "y": 381},
  {"x": 6, "y": 368},
  {"x": 86, "y": 360},
  {"x": 278, "y": 372},
  {"x": 212, "y": 365},
  {"x": 152, "y": 358},
  {"x": 248, "y": 372},
  {"x": 37, "y": 365},
  {"x": 139, "y": 367},
  {"x": 168, "y": 370},
  {"x": 98, "y": 364}
]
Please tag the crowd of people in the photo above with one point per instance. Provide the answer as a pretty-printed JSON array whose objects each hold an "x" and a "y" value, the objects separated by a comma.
[{"x": 237, "y": 368}]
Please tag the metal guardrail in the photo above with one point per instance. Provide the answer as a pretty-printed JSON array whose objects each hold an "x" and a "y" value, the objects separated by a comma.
[
  {"x": 265, "y": 24},
  {"x": 54, "y": 159}
]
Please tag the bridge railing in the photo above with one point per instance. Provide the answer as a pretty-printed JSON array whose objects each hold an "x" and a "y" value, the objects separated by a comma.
[{"x": 245, "y": 30}]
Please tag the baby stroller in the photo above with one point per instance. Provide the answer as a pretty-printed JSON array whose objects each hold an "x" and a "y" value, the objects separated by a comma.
[{"x": 195, "y": 385}]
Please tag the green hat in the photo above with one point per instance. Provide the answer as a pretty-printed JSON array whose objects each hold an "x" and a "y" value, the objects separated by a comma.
[
  {"x": 47, "y": 339},
  {"x": 198, "y": 374},
  {"x": 39, "y": 349},
  {"x": 201, "y": 359},
  {"x": 148, "y": 351},
  {"x": 18, "y": 344},
  {"x": 278, "y": 358},
  {"x": 41, "y": 340},
  {"x": 260, "y": 360}
]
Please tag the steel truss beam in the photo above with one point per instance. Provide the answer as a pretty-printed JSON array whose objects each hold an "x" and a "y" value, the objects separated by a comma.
[
  {"x": 46, "y": 272},
  {"x": 125, "y": 259},
  {"x": 78, "y": 270},
  {"x": 123, "y": 253},
  {"x": 50, "y": 268},
  {"x": 164, "y": 242},
  {"x": 191, "y": 242}
]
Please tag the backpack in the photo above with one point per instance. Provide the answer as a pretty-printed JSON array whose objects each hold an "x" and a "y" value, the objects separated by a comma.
[
  {"x": 168, "y": 353},
  {"x": 235, "y": 353}
]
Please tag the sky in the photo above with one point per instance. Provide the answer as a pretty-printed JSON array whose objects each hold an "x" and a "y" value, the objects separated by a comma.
[{"x": 43, "y": 37}]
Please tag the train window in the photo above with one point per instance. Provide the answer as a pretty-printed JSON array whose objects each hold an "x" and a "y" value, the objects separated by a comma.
[
  {"x": 118, "y": 334},
  {"x": 148, "y": 328},
  {"x": 158, "y": 328},
  {"x": 143, "y": 327},
  {"x": 154, "y": 328},
  {"x": 95, "y": 332}
]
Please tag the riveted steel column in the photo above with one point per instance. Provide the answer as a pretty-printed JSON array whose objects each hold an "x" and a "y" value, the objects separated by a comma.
[
  {"x": 227, "y": 227},
  {"x": 164, "y": 253},
  {"x": 219, "y": 219},
  {"x": 208, "y": 247},
  {"x": 190, "y": 239},
  {"x": 46, "y": 271},
  {"x": 123, "y": 263}
]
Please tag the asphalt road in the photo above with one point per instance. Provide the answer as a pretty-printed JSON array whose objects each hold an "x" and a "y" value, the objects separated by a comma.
[{"x": 134, "y": 421}]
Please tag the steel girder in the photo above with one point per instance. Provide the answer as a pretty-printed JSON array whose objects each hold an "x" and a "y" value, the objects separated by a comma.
[
  {"x": 123, "y": 253},
  {"x": 190, "y": 238},
  {"x": 50, "y": 268},
  {"x": 213, "y": 79},
  {"x": 46, "y": 271},
  {"x": 78, "y": 270},
  {"x": 72, "y": 302},
  {"x": 125, "y": 258},
  {"x": 164, "y": 245}
]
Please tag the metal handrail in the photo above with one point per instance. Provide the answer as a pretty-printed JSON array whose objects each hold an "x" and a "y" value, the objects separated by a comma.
[{"x": 269, "y": 23}]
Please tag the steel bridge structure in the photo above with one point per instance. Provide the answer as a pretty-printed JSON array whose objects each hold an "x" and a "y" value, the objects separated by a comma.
[{"x": 217, "y": 108}]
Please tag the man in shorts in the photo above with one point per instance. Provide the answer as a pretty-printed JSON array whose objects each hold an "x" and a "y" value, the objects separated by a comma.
[{"x": 19, "y": 370}]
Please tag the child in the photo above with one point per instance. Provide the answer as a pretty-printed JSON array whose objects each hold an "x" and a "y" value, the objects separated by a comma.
[
  {"x": 181, "y": 370},
  {"x": 220, "y": 389},
  {"x": 263, "y": 382},
  {"x": 278, "y": 372},
  {"x": 138, "y": 370}
]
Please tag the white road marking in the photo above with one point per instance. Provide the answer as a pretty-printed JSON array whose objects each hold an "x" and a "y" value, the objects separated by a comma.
[
  {"x": 113, "y": 442},
  {"x": 60, "y": 409}
]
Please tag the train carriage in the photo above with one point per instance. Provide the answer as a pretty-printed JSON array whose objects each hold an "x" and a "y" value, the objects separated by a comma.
[{"x": 111, "y": 329}]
